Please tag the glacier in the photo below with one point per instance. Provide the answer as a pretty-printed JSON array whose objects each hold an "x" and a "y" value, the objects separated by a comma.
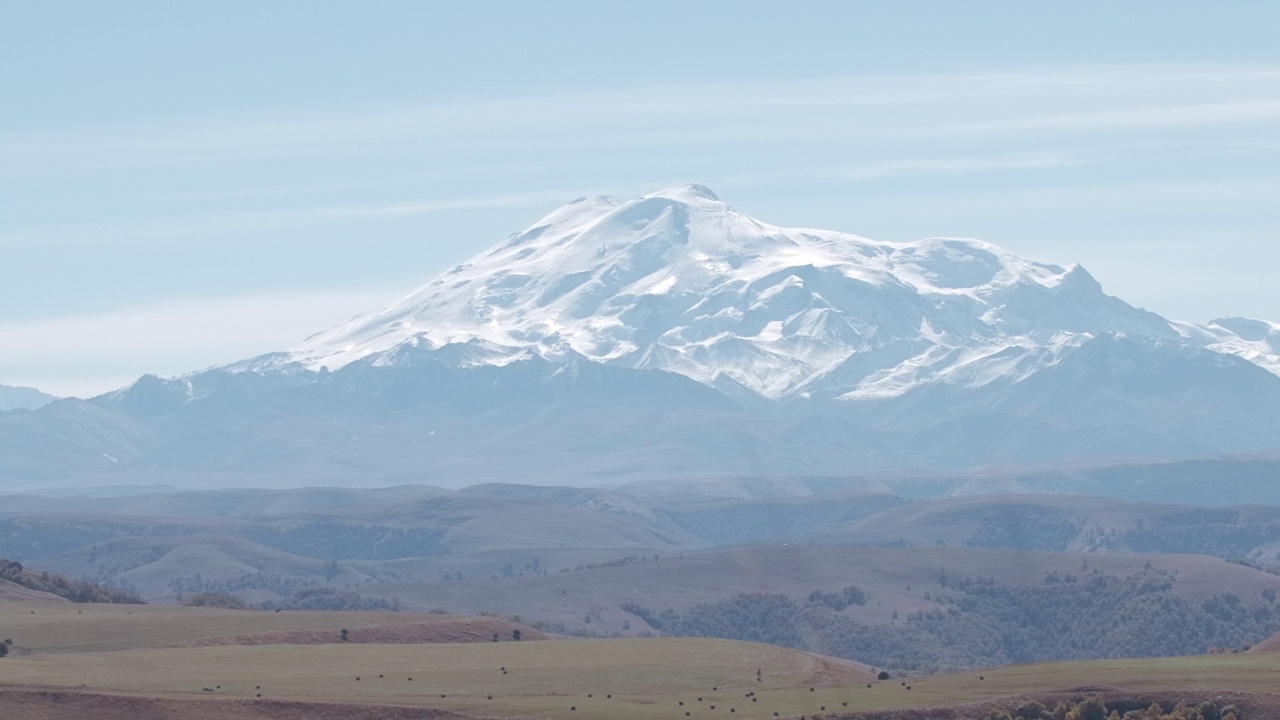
[{"x": 677, "y": 280}]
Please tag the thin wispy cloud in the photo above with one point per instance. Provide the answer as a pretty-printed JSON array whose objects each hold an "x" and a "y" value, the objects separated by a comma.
[
  {"x": 1043, "y": 98},
  {"x": 914, "y": 167},
  {"x": 171, "y": 338},
  {"x": 195, "y": 226},
  {"x": 1153, "y": 117}
]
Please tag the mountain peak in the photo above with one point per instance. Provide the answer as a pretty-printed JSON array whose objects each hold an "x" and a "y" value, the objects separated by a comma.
[
  {"x": 686, "y": 193},
  {"x": 675, "y": 281}
]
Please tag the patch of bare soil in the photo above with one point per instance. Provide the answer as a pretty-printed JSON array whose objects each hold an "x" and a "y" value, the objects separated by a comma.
[
  {"x": 469, "y": 630},
  {"x": 62, "y": 705}
]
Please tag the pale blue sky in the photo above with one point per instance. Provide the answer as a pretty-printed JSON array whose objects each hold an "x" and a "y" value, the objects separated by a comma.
[{"x": 184, "y": 184}]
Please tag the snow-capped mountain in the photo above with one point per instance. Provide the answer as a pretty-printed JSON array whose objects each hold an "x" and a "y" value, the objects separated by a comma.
[
  {"x": 671, "y": 337},
  {"x": 679, "y": 281}
]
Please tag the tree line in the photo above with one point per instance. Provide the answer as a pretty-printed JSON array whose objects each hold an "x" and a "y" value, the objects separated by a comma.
[{"x": 982, "y": 622}]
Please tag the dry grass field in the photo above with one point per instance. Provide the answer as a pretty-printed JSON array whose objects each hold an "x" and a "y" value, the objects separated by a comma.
[
  {"x": 158, "y": 661},
  {"x": 54, "y": 628}
]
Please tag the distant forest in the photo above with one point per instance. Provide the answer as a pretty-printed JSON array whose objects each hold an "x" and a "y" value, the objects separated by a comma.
[
  {"x": 980, "y": 622},
  {"x": 1218, "y": 532}
]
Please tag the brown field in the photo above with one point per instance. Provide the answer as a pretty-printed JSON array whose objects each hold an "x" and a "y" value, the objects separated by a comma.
[
  {"x": 48, "y": 628},
  {"x": 125, "y": 661}
]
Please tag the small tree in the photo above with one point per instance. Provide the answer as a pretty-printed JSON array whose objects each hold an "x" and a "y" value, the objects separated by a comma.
[
  {"x": 344, "y": 635},
  {"x": 884, "y": 675},
  {"x": 515, "y": 634},
  {"x": 1031, "y": 710},
  {"x": 1092, "y": 709}
]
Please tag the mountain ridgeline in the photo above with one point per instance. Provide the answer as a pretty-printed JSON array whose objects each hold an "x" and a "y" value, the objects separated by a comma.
[
  {"x": 673, "y": 337},
  {"x": 22, "y": 398}
]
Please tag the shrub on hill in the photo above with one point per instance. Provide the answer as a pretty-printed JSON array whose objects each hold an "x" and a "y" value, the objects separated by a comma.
[
  {"x": 851, "y": 595},
  {"x": 1097, "y": 708},
  {"x": 80, "y": 591}
]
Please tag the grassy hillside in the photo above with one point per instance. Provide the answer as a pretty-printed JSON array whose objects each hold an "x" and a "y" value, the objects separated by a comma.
[
  {"x": 266, "y": 544},
  {"x": 602, "y": 563},
  {"x": 13, "y": 592},
  {"x": 1270, "y": 645},
  {"x": 41, "y": 629},
  {"x": 1070, "y": 523},
  {"x": 896, "y": 579},
  {"x": 914, "y": 597},
  {"x": 621, "y": 679},
  {"x": 79, "y": 591},
  {"x": 924, "y": 609}
]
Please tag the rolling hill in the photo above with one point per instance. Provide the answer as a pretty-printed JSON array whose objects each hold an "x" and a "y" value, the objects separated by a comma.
[
  {"x": 70, "y": 671},
  {"x": 867, "y": 576}
]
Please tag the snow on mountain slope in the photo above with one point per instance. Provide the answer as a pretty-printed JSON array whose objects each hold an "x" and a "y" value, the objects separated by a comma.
[
  {"x": 1257, "y": 341},
  {"x": 679, "y": 281},
  {"x": 789, "y": 352}
]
